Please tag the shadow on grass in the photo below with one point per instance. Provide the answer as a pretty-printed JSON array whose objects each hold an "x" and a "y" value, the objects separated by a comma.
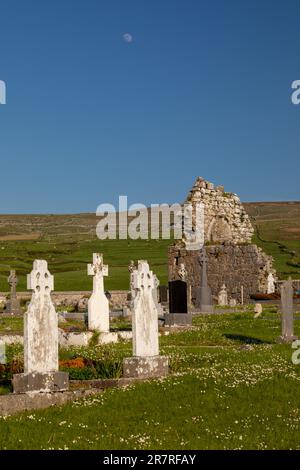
[
  {"x": 117, "y": 329},
  {"x": 246, "y": 339}
]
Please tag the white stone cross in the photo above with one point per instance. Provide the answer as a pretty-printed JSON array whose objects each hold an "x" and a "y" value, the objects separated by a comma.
[
  {"x": 40, "y": 280},
  {"x": 143, "y": 278},
  {"x": 145, "y": 312},
  {"x": 97, "y": 268},
  {"x": 40, "y": 322},
  {"x": 98, "y": 305}
]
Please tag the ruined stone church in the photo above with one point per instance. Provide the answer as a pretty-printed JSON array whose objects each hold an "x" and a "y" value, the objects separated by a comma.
[{"x": 232, "y": 258}]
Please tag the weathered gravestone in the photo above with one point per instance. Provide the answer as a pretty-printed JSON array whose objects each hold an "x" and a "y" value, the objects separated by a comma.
[
  {"x": 178, "y": 305},
  {"x": 13, "y": 305},
  {"x": 222, "y": 296},
  {"x": 258, "y": 310},
  {"x": 287, "y": 312},
  {"x": 163, "y": 294},
  {"x": 98, "y": 304},
  {"x": 178, "y": 297},
  {"x": 204, "y": 298},
  {"x": 158, "y": 305},
  {"x": 270, "y": 284},
  {"x": 40, "y": 338},
  {"x": 146, "y": 361}
]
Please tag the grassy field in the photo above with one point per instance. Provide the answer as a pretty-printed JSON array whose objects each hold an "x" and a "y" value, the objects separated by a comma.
[
  {"x": 68, "y": 241},
  {"x": 232, "y": 387},
  {"x": 277, "y": 232}
]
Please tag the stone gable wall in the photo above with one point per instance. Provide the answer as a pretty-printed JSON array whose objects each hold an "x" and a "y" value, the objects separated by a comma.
[
  {"x": 231, "y": 258},
  {"x": 225, "y": 219}
]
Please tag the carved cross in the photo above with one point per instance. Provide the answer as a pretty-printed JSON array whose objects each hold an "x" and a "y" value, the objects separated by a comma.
[
  {"x": 97, "y": 268},
  {"x": 13, "y": 281},
  {"x": 40, "y": 280},
  {"x": 143, "y": 278}
]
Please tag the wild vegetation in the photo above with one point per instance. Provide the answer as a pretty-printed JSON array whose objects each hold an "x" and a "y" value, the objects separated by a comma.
[{"x": 231, "y": 387}]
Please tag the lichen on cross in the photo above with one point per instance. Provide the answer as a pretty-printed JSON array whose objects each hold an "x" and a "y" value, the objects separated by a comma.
[
  {"x": 40, "y": 281},
  {"x": 97, "y": 268},
  {"x": 143, "y": 278},
  {"x": 13, "y": 281}
]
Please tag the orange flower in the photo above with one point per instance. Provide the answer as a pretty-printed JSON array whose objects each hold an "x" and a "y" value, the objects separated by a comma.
[{"x": 77, "y": 363}]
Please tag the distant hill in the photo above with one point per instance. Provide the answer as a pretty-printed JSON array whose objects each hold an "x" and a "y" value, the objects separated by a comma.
[
  {"x": 277, "y": 226},
  {"x": 68, "y": 241}
]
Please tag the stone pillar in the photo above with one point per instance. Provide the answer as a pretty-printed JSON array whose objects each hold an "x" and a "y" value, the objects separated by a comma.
[
  {"x": 204, "y": 297},
  {"x": 146, "y": 361},
  {"x": 287, "y": 312},
  {"x": 40, "y": 338},
  {"x": 13, "y": 305},
  {"x": 98, "y": 304},
  {"x": 160, "y": 311},
  {"x": 271, "y": 284}
]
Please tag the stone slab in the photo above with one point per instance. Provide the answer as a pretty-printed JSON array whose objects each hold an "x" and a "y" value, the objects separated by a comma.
[
  {"x": 184, "y": 319},
  {"x": 145, "y": 367},
  {"x": 40, "y": 382},
  {"x": 287, "y": 339},
  {"x": 17, "y": 403},
  {"x": 178, "y": 297}
]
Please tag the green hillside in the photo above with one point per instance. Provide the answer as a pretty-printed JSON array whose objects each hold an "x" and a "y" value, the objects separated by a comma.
[{"x": 68, "y": 241}]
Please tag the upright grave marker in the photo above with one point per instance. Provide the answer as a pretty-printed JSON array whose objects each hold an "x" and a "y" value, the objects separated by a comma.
[
  {"x": 178, "y": 304},
  {"x": 178, "y": 297},
  {"x": 204, "y": 298},
  {"x": 178, "y": 301},
  {"x": 271, "y": 284},
  {"x": 163, "y": 294},
  {"x": 160, "y": 311},
  {"x": 287, "y": 312},
  {"x": 13, "y": 305},
  {"x": 40, "y": 337},
  {"x": 222, "y": 296},
  {"x": 146, "y": 361},
  {"x": 98, "y": 305}
]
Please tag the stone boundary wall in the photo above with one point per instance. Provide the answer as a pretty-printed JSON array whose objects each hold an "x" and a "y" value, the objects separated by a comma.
[
  {"x": 17, "y": 403},
  {"x": 77, "y": 299},
  {"x": 74, "y": 339}
]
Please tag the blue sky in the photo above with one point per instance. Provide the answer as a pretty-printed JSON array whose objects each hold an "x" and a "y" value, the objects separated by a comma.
[{"x": 204, "y": 88}]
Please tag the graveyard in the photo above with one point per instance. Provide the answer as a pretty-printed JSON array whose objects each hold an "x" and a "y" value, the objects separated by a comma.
[
  {"x": 149, "y": 232},
  {"x": 183, "y": 349},
  {"x": 231, "y": 386}
]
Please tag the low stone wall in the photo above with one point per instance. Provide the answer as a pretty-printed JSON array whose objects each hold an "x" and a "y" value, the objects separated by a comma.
[
  {"x": 75, "y": 299},
  {"x": 75, "y": 339},
  {"x": 82, "y": 339},
  {"x": 16, "y": 403},
  {"x": 11, "y": 339}
]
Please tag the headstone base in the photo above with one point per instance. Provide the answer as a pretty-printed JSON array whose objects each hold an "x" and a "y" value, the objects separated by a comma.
[
  {"x": 180, "y": 319},
  {"x": 287, "y": 339},
  {"x": 145, "y": 367},
  {"x": 205, "y": 309},
  {"x": 41, "y": 382},
  {"x": 13, "y": 308}
]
